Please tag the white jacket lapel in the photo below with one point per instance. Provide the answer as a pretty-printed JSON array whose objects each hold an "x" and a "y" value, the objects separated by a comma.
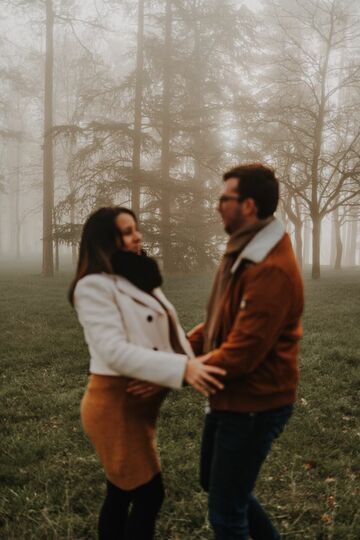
[
  {"x": 161, "y": 296},
  {"x": 126, "y": 287},
  {"x": 172, "y": 313}
]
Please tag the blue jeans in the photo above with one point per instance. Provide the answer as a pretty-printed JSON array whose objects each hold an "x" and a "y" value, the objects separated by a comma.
[{"x": 234, "y": 446}]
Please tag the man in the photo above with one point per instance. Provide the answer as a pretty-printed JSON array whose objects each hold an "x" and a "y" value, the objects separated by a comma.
[{"x": 252, "y": 330}]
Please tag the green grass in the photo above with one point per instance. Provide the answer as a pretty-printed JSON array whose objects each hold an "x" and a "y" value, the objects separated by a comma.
[{"x": 51, "y": 482}]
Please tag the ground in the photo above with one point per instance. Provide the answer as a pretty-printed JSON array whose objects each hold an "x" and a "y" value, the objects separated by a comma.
[{"x": 51, "y": 482}]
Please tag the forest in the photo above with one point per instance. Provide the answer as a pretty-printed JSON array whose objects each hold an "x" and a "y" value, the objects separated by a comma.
[{"x": 146, "y": 103}]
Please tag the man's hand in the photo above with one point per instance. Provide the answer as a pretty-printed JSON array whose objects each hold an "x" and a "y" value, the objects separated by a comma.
[
  {"x": 205, "y": 379},
  {"x": 204, "y": 358},
  {"x": 194, "y": 330},
  {"x": 143, "y": 389}
]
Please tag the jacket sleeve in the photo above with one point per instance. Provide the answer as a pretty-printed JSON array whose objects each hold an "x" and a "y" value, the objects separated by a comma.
[
  {"x": 262, "y": 314},
  {"x": 105, "y": 334},
  {"x": 196, "y": 338}
]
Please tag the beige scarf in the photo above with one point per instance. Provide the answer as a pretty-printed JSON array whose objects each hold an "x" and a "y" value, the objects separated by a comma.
[{"x": 237, "y": 242}]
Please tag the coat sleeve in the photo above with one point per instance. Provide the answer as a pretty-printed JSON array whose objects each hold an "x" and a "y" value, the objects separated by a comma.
[
  {"x": 105, "y": 334},
  {"x": 263, "y": 312},
  {"x": 196, "y": 338}
]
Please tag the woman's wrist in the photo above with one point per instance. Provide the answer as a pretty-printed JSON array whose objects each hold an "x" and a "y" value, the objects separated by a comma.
[{"x": 185, "y": 383}]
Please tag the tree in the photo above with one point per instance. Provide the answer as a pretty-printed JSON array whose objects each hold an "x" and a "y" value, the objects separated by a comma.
[
  {"x": 309, "y": 76},
  {"x": 136, "y": 154},
  {"x": 48, "y": 160}
]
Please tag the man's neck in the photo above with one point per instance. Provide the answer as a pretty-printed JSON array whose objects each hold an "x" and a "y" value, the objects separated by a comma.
[
  {"x": 246, "y": 226},
  {"x": 242, "y": 236}
]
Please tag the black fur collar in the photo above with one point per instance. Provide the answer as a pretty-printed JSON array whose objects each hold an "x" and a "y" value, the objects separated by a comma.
[{"x": 141, "y": 270}]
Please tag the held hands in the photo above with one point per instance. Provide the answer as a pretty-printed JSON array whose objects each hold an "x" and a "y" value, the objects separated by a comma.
[
  {"x": 197, "y": 374},
  {"x": 201, "y": 376},
  {"x": 144, "y": 389}
]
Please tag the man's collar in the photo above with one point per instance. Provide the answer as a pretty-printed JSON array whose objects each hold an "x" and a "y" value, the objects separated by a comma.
[{"x": 262, "y": 243}]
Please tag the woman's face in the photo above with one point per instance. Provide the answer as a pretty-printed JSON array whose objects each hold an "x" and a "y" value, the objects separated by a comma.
[{"x": 131, "y": 236}]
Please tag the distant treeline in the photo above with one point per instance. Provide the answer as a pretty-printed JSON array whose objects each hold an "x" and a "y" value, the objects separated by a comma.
[{"x": 146, "y": 103}]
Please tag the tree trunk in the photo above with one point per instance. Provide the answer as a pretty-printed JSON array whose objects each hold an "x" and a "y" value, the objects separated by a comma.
[
  {"x": 348, "y": 240},
  {"x": 298, "y": 224},
  {"x": 318, "y": 140},
  {"x": 13, "y": 187},
  {"x": 333, "y": 240},
  {"x": 291, "y": 210},
  {"x": 72, "y": 212},
  {"x": 57, "y": 256},
  {"x": 198, "y": 207},
  {"x": 74, "y": 255},
  {"x": 136, "y": 157},
  {"x": 17, "y": 198},
  {"x": 299, "y": 242},
  {"x": 57, "y": 260},
  {"x": 352, "y": 240},
  {"x": 316, "y": 236},
  {"x": 1, "y": 220},
  {"x": 282, "y": 212},
  {"x": 72, "y": 224},
  {"x": 165, "y": 143},
  {"x": 48, "y": 167},
  {"x": 307, "y": 240},
  {"x": 338, "y": 240}
]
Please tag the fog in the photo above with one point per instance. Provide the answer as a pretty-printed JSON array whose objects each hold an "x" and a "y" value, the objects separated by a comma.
[{"x": 146, "y": 104}]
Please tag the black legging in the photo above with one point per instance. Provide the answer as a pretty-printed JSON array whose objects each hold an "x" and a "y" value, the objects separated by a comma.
[{"x": 118, "y": 521}]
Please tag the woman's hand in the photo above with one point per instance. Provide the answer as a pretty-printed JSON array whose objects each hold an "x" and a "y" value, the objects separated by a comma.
[
  {"x": 201, "y": 376},
  {"x": 144, "y": 389}
]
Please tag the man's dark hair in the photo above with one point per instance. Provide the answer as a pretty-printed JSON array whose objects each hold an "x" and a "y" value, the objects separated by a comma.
[{"x": 258, "y": 182}]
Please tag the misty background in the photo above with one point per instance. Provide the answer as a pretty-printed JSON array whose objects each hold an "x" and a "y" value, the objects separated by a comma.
[{"x": 146, "y": 103}]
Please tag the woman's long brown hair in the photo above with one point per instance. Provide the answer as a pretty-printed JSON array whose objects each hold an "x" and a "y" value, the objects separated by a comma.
[{"x": 99, "y": 241}]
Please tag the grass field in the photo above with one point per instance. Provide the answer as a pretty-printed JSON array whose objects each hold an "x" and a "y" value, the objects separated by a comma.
[{"x": 51, "y": 482}]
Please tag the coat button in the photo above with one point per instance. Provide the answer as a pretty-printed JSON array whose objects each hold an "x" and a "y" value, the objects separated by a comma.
[{"x": 149, "y": 318}]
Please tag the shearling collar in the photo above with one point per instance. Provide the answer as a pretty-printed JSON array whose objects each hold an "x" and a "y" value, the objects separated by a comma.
[{"x": 262, "y": 243}]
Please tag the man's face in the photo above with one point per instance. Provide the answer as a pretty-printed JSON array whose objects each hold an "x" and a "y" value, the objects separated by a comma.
[{"x": 230, "y": 208}]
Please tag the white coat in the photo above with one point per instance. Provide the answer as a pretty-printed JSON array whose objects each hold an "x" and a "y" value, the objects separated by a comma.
[{"x": 127, "y": 331}]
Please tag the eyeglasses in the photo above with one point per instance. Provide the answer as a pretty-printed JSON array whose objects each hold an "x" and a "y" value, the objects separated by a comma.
[{"x": 226, "y": 198}]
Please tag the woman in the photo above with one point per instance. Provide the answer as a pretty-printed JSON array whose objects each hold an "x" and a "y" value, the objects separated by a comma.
[{"x": 133, "y": 335}]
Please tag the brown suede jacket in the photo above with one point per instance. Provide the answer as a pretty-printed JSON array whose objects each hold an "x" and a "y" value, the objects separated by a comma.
[{"x": 261, "y": 327}]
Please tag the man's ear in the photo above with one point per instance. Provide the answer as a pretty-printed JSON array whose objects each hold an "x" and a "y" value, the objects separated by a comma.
[{"x": 249, "y": 207}]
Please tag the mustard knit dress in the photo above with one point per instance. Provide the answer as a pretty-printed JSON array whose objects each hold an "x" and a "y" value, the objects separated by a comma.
[{"x": 122, "y": 429}]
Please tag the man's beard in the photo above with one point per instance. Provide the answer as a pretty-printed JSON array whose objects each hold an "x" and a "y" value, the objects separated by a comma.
[{"x": 233, "y": 227}]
